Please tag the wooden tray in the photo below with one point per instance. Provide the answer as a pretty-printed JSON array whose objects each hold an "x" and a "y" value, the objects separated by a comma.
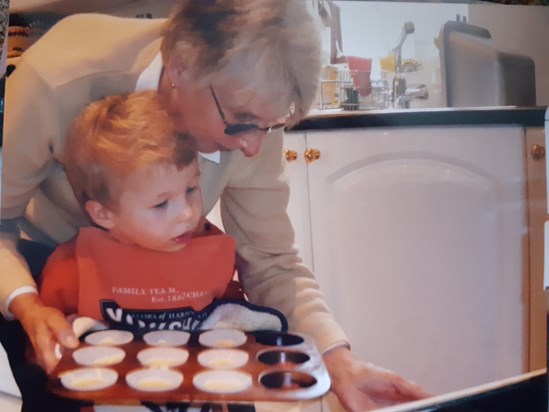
[{"x": 282, "y": 366}]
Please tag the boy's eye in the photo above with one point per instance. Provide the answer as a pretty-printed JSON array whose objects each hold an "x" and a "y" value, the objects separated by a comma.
[
  {"x": 190, "y": 190},
  {"x": 161, "y": 205}
]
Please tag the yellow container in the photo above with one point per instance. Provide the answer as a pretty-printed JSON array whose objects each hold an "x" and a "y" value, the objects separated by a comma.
[
  {"x": 329, "y": 89},
  {"x": 387, "y": 63}
]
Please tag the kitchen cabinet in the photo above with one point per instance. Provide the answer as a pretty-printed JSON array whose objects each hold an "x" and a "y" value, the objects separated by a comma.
[{"x": 419, "y": 240}]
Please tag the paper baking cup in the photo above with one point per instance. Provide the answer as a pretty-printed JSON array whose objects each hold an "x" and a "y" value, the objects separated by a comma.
[
  {"x": 223, "y": 358},
  {"x": 163, "y": 357},
  {"x": 88, "y": 379},
  {"x": 154, "y": 380},
  {"x": 166, "y": 338},
  {"x": 98, "y": 356},
  {"x": 109, "y": 338},
  {"x": 222, "y": 338},
  {"x": 218, "y": 381}
]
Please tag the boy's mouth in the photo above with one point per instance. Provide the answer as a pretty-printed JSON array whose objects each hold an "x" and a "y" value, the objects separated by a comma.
[{"x": 182, "y": 238}]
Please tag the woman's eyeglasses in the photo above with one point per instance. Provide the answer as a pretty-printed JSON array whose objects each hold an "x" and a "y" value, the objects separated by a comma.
[{"x": 233, "y": 129}]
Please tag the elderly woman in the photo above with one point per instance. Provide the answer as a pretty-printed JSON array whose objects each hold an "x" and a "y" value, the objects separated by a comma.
[{"x": 231, "y": 74}]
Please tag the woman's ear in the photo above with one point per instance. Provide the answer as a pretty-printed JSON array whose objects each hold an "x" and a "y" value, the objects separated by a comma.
[
  {"x": 176, "y": 70},
  {"x": 100, "y": 215}
]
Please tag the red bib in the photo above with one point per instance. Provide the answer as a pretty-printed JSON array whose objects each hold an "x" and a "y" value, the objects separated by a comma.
[{"x": 137, "y": 278}]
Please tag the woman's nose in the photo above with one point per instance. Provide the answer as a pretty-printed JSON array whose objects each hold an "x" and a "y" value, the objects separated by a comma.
[{"x": 250, "y": 144}]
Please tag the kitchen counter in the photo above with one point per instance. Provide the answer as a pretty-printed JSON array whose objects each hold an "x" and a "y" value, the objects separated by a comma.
[{"x": 341, "y": 119}]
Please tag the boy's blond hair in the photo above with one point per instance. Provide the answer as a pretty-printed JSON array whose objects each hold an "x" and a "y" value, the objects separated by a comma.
[
  {"x": 116, "y": 136},
  {"x": 269, "y": 47}
]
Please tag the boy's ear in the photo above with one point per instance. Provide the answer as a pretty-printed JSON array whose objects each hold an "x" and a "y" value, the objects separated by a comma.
[{"x": 100, "y": 215}]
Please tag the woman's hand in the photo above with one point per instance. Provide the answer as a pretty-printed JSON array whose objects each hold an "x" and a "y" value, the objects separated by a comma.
[
  {"x": 362, "y": 386},
  {"x": 45, "y": 327}
]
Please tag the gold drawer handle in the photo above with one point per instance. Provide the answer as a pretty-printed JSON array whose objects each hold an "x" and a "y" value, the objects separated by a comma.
[
  {"x": 290, "y": 155},
  {"x": 311, "y": 155}
]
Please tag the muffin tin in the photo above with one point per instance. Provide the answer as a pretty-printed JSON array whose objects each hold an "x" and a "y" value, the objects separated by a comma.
[{"x": 218, "y": 365}]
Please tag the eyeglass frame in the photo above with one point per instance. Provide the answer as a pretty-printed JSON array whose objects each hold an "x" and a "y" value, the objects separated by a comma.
[{"x": 234, "y": 129}]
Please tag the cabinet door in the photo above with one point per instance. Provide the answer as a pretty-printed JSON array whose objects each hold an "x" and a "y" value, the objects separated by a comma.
[
  {"x": 419, "y": 245},
  {"x": 298, "y": 206}
]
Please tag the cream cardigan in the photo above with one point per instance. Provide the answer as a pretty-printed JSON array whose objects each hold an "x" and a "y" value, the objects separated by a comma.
[{"x": 85, "y": 57}]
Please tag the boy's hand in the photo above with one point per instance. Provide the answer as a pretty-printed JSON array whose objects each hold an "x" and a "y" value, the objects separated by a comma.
[
  {"x": 362, "y": 386},
  {"x": 45, "y": 327}
]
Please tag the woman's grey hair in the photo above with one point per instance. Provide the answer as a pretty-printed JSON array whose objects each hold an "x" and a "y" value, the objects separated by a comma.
[{"x": 269, "y": 47}]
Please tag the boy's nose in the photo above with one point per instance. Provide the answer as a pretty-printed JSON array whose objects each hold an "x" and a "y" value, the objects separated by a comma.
[{"x": 186, "y": 213}]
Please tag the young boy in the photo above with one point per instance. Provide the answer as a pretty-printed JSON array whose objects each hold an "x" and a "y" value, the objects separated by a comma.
[{"x": 151, "y": 261}]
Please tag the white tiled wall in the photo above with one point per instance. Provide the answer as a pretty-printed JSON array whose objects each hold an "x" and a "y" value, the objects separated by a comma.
[
  {"x": 372, "y": 28},
  {"x": 529, "y": 36}
]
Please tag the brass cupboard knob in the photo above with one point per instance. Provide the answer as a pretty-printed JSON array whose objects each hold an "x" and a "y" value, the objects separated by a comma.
[
  {"x": 537, "y": 152},
  {"x": 290, "y": 155},
  {"x": 311, "y": 155}
]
